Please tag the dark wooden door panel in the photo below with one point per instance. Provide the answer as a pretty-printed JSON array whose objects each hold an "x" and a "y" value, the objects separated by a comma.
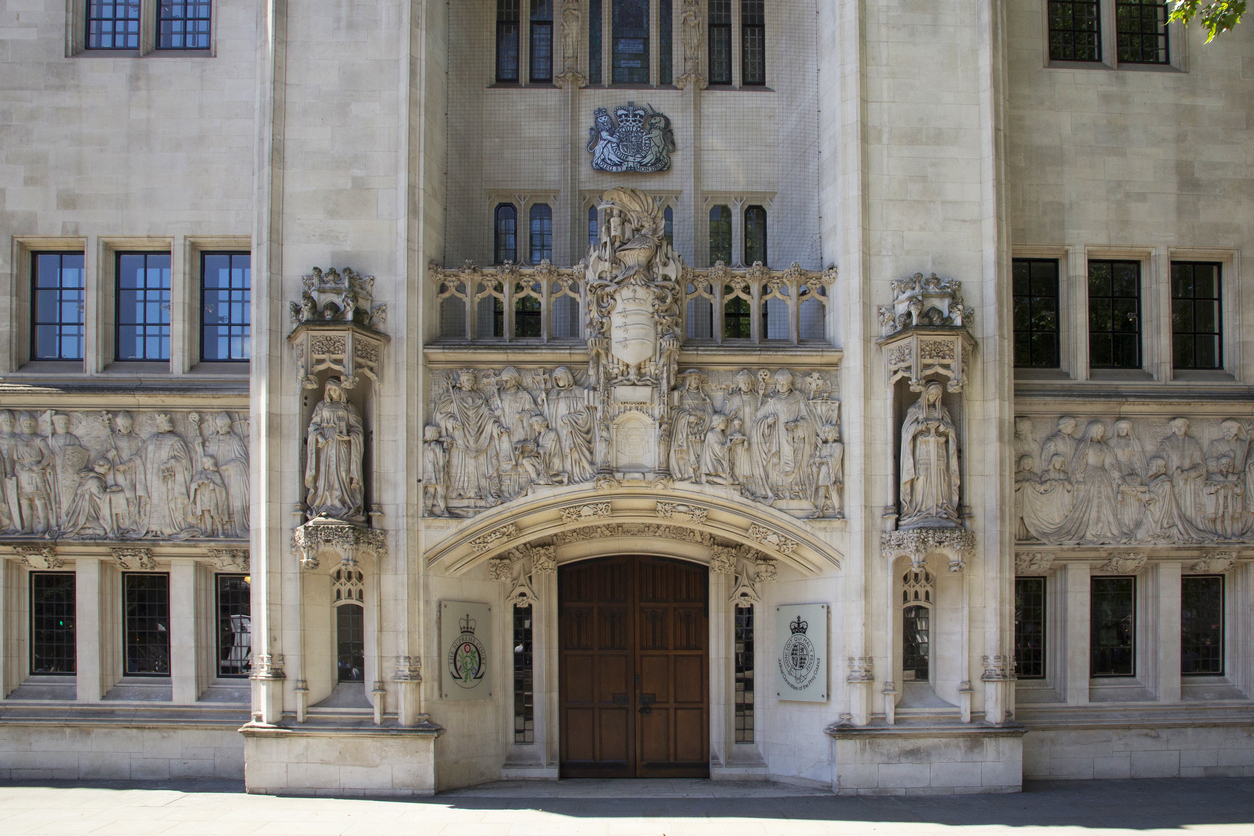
[{"x": 634, "y": 668}]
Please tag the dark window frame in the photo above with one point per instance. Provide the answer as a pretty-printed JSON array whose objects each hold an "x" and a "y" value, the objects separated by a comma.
[
  {"x": 912, "y": 657},
  {"x": 1111, "y": 303},
  {"x": 754, "y": 240},
  {"x": 1219, "y": 668},
  {"x": 1130, "y": 647},
  {"x": 720, "y": 250},
  {"x": 504, "y": 241},
  {"x": 1193, "y": 333},
  {"x": 719, "y": 35},
  {"x": 61, "y": 325},
  {"x": 61, "y": 644},
  {"x": 163, "y": 301},
  {"x": 1043, "y": 343},
  {"x": 508, "y": 25},
  {"x": 541, "y": 213},
  {"x": 668, "y": 226},
  {"x": 231, "y": 664},
  {"x": 631, "y": 76},
  {"x": 523, "y": 669},
  {"x": 96, "y": 24},
  {"x": 131, "y": 625},
  {"x": 744, "y": 674},
  {"x": 753, "y": 43},
  {"x": 1071, "y": 42},
  {"x": 350, "y": 649},
  {"x": 595, "y": 41},
  {"x": 1031, "y": 649},
  {"x": 203, "y": 34},
  {"x": 666, "y": 42},
  {"x": 1141, "y": 32},
  {"x": 232, "y": 292},
  {"x": 540, "y": 39}
]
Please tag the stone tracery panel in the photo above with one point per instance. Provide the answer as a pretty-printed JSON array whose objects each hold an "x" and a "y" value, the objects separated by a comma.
[
  {"x": 1134, "y": 481},
  {"x": 123, "y": 475}
]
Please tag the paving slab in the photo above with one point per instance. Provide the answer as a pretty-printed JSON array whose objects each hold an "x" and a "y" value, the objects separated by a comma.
[{"x": 1146, "y": 807}]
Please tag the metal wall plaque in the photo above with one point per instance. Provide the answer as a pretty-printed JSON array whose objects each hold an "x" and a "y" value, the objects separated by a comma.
[
  {"x": 801, "y": 662},
  {"x": 465, "y": 636},
  {"x": 634, "y": 139}
]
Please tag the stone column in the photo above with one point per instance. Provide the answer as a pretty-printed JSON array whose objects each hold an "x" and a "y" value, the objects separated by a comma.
[
  {"x": 1164, "y": 630},
  {"x": 1075, "y": 646},
  {"x": 88, "y": 647},
  {"x": 183, "y": 631}
]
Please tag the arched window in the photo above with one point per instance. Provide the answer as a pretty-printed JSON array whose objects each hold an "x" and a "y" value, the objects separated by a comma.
[
  {"x": 541, "y": 40},
  {"x": 505, "y": 234},
  {"x": 668, "y": 228},
  {"x": 630, "y": 57},
  {"x": 720, "y": 32},
  {"x": 592, "y": 226},
  {"x": 541, "y": 233},
  {"x": 916, "y": 645},
  {"x": 527, "y": 298},
  {"x": 753, "y": 43},
  {"x": 347, "y": 594},
  {"x": 720, "y": 234},
  {"x": 507, "y": 20},
  {"x": 755, "y": 235}
]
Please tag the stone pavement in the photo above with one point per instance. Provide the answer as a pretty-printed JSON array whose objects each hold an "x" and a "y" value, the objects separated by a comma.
[{"x": 649, "y": 808}]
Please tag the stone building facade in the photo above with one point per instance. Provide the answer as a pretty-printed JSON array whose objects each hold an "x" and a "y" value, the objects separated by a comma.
[{"x": 403, "y": 395}]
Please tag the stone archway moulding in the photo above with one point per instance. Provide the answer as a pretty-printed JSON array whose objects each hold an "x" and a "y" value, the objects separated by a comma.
[{"x": 672, "y": 514}]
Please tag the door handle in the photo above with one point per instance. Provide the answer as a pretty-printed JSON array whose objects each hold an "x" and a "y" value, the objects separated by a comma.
[{"x": 646, "y": 703}]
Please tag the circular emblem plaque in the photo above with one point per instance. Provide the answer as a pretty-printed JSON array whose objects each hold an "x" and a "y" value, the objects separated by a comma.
[
  {"x": 798, "y": 661},
  {"x": 467, "y": 660}
]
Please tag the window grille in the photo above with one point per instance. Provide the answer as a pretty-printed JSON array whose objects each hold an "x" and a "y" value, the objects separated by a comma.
[
  {"x": 524, "y": 688},
  {"x": 1036, "y": 312},
  {"x": 755, "y": 235},
  {"x": 753, "y": 44},
  {"x": 916, "y": 647},
  {"x": 235, "y": 638},
  {"x": 52, "y": 618},
  {"x": 541, "y": 40},
  {"x": 744, "y": 674},
  {"x": 507, "y": 26},
  {"x": 183, "y": 24},
  {"x": 541, "y": 233},
  {"x": 505, "y": 234},
  {"x": 630, "y": 42},
  {"x": 350, "y": 643},
  {"x": 1113, "y": 627},
  {"x": 1115, "y": 314},
  {"x": 527, "y": 309},
  {"x": 146, "y": 605},
  {"x": 737, "y": 310},
  {"x": 347, "y": 585},
  {"x": 721, "y": 235},
  {"x": 1141, "y": 31},
  {"x": 1074, "y": 30},
  {"x": 1196, "y": 329},
  {"x": 58, "y": 299},
  {"x": 720, "y": 29},
  {"x": 143, "y": 306},
  {"x": 1030, "y": 628},
  {"x": 1202, "y": 625},
  {"x": 226, "y": 296},
  {"x": 113, "y": 24}
]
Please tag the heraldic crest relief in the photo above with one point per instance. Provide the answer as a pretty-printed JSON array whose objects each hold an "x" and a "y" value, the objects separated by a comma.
[
  {"x": 801, "y": 659},
  {"x": 466, "y": 674},
  {"x": 635, "y": 139}
]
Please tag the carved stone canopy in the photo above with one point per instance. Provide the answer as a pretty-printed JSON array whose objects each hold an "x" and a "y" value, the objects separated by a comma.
[
  {"x": 925, "y": 332},
  {"x": 337, "y": 328},
  {"x": 956, "y": 544},
  {"x": 349, "y": 542},
  {"x": 342, "y": 297}
]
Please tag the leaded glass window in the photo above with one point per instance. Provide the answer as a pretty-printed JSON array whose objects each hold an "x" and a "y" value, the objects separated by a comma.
[
  {"x": 350, "y": 643},
  {"x": 225, "y": 310},
  {"x": 146, "y": 606},
  {"x": 58, "y": 299},
  {"x": 592, "y": 226},
  {"x": 720, "y": 234},
  {"x": 52, "y": 637},
  {"x": 744, "y": 674},
  {"x": 1196, "y": 328},
  {"x": 916, "y": 648},
  {"x": 183, "y": 24},
  {"x": 1030, "y": 628},
  {"x": 507, "y": 26},
  {"x": 630, "y": 42},
  {"x": 1115, "y": 314},
  {"x": 720, "y": 32},
  {"x": 113, "y": 24},
  {"x": 541, "y": 233},
  {"x": 1202, "y": 625},
  {"x": 594, "y": 41},
  {"x": 665, "y": 47},
  {"x": 505, "y": 234},
  {"x": 1036, "y": 312},
  {"x": 1112, "y": 627},
  {"x": 541, "y": 40},
  {"x": 143, "y": 306},
  {"x": 755, "y": 235},
  {"x": 1074, "y": 30},
  {"x": 668, "y": 225},
  {"x": 235, "y": 635},
  {"x": 737, "y": 317},
  {"x": 753, "y": 43},
  {"x": 524, "y": 675},
  {"x": 1141, "y": 31}
]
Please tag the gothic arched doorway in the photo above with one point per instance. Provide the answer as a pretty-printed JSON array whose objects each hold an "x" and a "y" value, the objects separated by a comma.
[{"x": 633, "y": 638}]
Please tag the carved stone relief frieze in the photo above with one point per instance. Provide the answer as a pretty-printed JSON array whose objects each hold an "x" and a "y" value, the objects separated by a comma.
[
  {"x": 1215, "y": 563},
  {"x": 1135, "y": 481},
  {"x": 1033, "y": 563},
  {"x": 1122, "y": 564},
  {"x": 124, "y": 476},
  {"x": 38, "y": 557}
]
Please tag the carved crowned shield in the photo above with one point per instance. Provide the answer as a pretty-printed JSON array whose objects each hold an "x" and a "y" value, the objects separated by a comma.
[
  {"x": 634, "y": 139},
  {"x": 633, "y": 331}
]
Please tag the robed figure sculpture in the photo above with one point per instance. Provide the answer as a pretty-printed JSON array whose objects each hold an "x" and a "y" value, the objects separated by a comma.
[
  {"x": 333, "y": 458},
  {"x": 929, "y": 463}
]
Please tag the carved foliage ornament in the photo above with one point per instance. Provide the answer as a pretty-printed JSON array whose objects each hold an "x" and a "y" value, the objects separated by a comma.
[
  {"x": 38, "y": 557},
  {"x": 1123, "y": 564},
  {"x": 956, "y": 544},
  {"x": 346, "y": 540},
  {"x": 634, "y": 139},
  {"x": 134, "y": 558},
  {"x": 1033, "y": 563},
  {"x": 1213, "y": 564}
]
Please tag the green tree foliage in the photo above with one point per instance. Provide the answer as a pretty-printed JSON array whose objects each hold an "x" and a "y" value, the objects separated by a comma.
[{"x": 1217, "y": 15}]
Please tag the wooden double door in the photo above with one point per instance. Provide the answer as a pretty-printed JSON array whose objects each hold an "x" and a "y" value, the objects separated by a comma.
[{"x": 634, "y": 668}]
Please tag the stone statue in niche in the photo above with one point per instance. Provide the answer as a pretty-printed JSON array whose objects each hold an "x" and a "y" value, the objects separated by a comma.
[
  {"x": 691, "y": 36},
  {"x": 570, "y": 33},
  {"x": 929, "y": 463},
  {"x": 334, "y": 449},
  {"x": 828, "y": 466}
]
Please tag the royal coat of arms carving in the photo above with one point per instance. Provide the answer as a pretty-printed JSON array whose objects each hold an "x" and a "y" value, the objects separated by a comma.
[{"x": 634, "y": 139}]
